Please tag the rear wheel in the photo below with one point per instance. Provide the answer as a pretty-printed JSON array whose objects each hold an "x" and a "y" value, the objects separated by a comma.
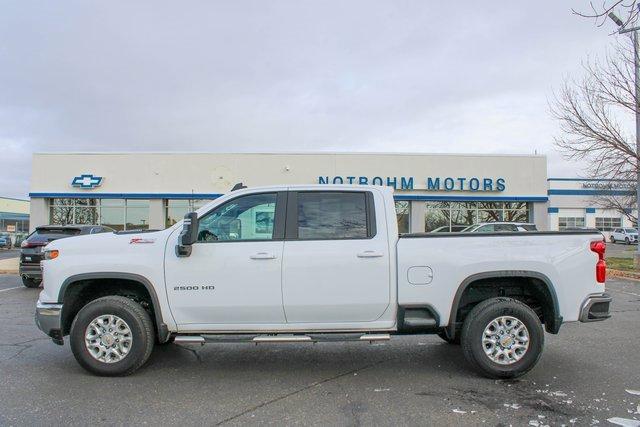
[
  {"x": 612, "y": 239},
  {"x": 30, "y": 282},
  {"x": 502, "y": 338},
  {"x": 112, "y": 336}
]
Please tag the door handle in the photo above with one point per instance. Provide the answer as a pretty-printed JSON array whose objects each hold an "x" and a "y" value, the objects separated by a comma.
[
  {"x": 263, "y": 255},
  {"x": 369, "y": 254}
]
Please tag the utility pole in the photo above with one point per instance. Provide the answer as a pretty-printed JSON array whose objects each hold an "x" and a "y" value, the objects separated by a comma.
[{"x": 636, "y": 63}]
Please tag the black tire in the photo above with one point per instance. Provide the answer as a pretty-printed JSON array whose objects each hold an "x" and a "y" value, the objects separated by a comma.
[
  {"x": 626, "y": 240},
  {"x": 142, "y": 334},
  {"x": 480, "y": 317},
  {"x": 455, "y": 341},
  {"x": 30, "y": 282},
  {"x": 612, "y": 239}
]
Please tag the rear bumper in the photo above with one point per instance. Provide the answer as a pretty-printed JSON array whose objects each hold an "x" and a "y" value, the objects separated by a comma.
[
  {"x": 595, "y": 308},
  {"x": 49, "y": 320},
  {"x": 30, "y": 270}
]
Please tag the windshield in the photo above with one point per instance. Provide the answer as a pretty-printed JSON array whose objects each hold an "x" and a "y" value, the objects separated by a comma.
[{"x": 630, "y": 230}]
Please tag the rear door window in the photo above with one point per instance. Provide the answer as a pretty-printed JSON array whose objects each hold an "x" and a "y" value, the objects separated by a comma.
[{"x": 332, "y": 215}]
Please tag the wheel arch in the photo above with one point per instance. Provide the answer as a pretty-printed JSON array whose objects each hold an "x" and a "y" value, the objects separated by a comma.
[
  {"x": 162, "y": 331},
  {"x": 552, "y": 325}
]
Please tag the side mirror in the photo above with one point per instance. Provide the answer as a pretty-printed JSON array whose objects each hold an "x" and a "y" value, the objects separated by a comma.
[{"x": 188, "y": 236}]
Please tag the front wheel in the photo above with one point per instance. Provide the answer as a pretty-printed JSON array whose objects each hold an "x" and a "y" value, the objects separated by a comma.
[
  {"x": 502, "y": 338},
  {"x": 112, "y": 336},
  {"x": 626, "y": 240}
]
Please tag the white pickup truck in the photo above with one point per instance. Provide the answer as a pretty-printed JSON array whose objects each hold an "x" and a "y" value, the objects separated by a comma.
[{"x": 316, "y": 263}]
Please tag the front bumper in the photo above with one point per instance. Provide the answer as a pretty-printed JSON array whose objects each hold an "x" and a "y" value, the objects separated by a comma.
[
  {"x": 595, "y": 308},
  {"x": 32, "y": 271},
  {"x": 49, "y": 320}
]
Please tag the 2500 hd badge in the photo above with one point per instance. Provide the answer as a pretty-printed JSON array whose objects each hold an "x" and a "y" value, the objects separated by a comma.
[{"x": 194, "y": 288}]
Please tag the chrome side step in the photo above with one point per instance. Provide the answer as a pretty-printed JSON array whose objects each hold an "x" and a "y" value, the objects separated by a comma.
[
  {"x": 279, "y": 338},
  {"x": 189, "y": 339},
  {"x": 282, "y": 338}
]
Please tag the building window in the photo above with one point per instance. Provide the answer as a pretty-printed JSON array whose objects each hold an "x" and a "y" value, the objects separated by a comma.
[
  {"x": 176, "y": 209},
  {"x": 403, "y": 213},
  {"x": 119, "y": 214},
  {"x": 607, "y": 223},
  {"x": 570, "y": 222},
  {"x": 455, "y": 216}
]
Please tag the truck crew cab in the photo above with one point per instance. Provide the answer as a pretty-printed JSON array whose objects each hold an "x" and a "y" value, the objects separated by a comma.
[{"x": 316, "y": 263}]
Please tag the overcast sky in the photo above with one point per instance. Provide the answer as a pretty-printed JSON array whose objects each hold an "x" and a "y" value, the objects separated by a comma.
[{"x": 293, "y": 75}]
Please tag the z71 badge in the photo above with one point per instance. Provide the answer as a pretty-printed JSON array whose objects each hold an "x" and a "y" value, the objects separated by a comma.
[{"x": 194, "y": 288}]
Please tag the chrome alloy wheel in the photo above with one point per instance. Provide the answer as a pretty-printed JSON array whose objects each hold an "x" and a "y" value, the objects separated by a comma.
[
  {"x": 505, "y": 340},
  {"x": 108, "y": 338}
]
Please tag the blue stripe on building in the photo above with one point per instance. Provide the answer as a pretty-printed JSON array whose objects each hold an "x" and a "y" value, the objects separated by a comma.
[
  {"x": 590, "y": 210},
  {"x": 13, "y": 216},
  {"x": 552, "y": 210},
  {"x": 184, "y": 196},
  {"x": 590, "y": 180},
  {"x": 590, "y": 192},
  {"x": 410, "y": 197},
  {"x": 400, "y": 197}
]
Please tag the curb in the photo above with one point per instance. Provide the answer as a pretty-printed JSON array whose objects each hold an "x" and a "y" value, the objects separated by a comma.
[
  {"x": 9, "y": 272},
  {"x": 632, "y": 275}
]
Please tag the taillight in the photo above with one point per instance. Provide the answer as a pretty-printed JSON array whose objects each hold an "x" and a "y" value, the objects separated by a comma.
[
  {"x": 27, "y": 244},
  {"x": 600, "y": 247}
]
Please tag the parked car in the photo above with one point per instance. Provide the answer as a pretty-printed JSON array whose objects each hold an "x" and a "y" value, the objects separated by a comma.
[
  {"x": 500, "y": 227},
  {"x": 447, "y": 229},
  {"x": 5, "y": 241},
  {"x": 31, "y": 248},
  {"x": 627, "y": 235},
  {"x": 330, "y": 259}
]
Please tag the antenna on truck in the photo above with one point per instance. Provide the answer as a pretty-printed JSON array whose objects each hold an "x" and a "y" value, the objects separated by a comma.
[{"x": 238, "y": 186}]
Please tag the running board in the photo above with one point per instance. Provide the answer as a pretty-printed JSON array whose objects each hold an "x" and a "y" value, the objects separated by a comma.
[{"x": 279, "y": 338}]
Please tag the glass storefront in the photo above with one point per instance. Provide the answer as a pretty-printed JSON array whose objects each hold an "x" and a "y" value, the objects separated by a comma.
[
  {"x": 175, "y": 209},
  {"x": 403, "y": 214},
  {"x": 133, "y": 214},
  {"x": 16, "y": 226},
  {"x": 446, "y": 215},
  {"x": 119, "y": 214}
]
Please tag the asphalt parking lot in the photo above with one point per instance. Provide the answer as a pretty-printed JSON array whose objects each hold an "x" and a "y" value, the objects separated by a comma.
[
  {"x": 9, "y": 253},
  {"x": 587, "y": 375}
]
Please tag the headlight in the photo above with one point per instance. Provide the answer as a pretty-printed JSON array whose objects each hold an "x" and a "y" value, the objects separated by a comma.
[{"x": 51, "y": 254}]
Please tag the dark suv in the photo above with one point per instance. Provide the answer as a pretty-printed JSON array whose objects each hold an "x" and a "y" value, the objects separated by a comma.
[{"x": 31, "y": 247}]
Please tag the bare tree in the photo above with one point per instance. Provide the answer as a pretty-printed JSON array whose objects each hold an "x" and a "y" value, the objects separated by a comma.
[
  {"x": 599, "y": 12},
  {"x": 595, "y": 114}
]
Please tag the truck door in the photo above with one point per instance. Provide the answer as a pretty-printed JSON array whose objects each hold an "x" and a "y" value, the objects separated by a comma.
[
  {"x": 233, "y": 275},
  {"x": 336, "y": 264}
]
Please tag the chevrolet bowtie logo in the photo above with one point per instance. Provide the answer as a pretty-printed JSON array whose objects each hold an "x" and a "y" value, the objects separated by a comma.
[{"x": 86, "y": 181}]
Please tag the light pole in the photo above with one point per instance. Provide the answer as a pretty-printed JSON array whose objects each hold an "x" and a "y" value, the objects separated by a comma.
[{"x": 636, "y": 62}]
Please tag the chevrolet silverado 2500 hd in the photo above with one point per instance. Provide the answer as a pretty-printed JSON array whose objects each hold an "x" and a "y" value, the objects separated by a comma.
[{"x": 316, "y": 263}]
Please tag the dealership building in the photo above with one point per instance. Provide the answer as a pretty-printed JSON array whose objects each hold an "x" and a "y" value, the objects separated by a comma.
[
  {"x": 14, "y": 218},
  {"x": 154, "y": 190}
]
